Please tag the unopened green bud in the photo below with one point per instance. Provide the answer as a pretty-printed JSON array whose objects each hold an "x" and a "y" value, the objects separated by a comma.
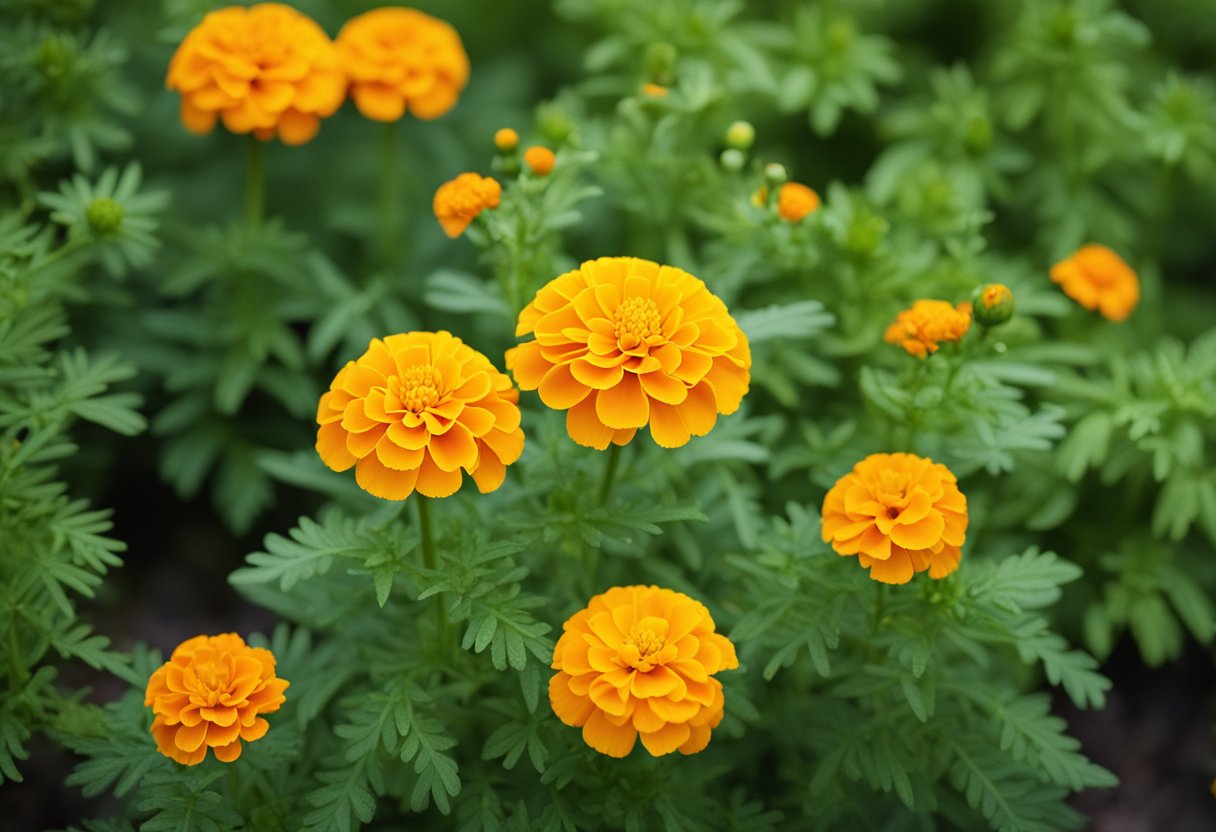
[
  {"x": 104, "y": 216},
  {"x": 54, "y": 57},
  {"x": 554, "y": 123},
  {"x": 740, "y": 135},
  {"x": 661, "y": 62},
  {"x": 774, "y": 174},
  {"x": 732, "y": 159},
  {"x": 841, "y": 33},
  {"x": 992, "y": 305},
  {"x": 978, "y": 134}
]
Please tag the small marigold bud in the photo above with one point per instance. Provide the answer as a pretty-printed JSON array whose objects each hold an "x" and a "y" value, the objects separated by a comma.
[
  {"x": 540, "y": 160},
  {"x": 661, "y": 62},
  {"x": 992, "y": 305},
  {"x": 760, "y": 196},
  {"x": 104, "y": 216},
  {"x": 741, "y": 135},
  {"x": 795, "y": 201},
  {"x": 506, "y": 140},
  {"x": 654, "y": 90},
  {"x": 732, "y": 159},
  {"x": 774, "y": 174}
]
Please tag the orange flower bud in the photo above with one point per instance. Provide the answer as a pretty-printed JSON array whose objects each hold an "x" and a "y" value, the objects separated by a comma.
[
  {"x": 506, "y": 140},
  {"x": 540, "y": 160},
  {"x": 795, "y": 201},
  {"x": 458, "y": 202},
  {"x": 992, "y": 305}
]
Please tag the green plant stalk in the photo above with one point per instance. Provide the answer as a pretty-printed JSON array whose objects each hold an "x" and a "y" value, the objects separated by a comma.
[
  {"x": 430, "y": 562},
  {"x": 389, "y": 204},
  {"x": 614, "y": 461},
  {"x": 255, "y": 184}
]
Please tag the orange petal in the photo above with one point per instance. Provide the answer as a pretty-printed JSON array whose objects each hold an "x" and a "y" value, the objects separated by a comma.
[
  {"x": 606, "y": 738},
  {"x": 383, "y": 482},
  {"x": 570, "y": 708},
  {"x": 667, "y": 739},
  {"x": 433, "y": 481},
  {"x": 585, "y": 427},
  {"x": 560, "y": 390},
  {"x": 331, "y": 446},
  {"x": 623, "y": 406}
]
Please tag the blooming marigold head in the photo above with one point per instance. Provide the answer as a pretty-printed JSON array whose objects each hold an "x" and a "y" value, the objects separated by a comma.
[
  {"x": 1097, "y": 278},
  {"x": 211, "y": 694},
  {"x": 795, "y": 201},
  {"x": 622, "y": 342},
  {"x": 540, "y": 160},
  {"x": 900, "y": 514},
  {"x": 458, "y": 201},
  {"x": 267, "y": 70},
  {"x": 641, "y": 660},
  {"x": 416, "y": 409},
  {"x": 929, "y": 323},
  {"x": 401, "y": 59}
]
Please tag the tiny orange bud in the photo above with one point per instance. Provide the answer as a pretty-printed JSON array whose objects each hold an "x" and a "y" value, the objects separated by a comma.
[
  {"x": 506, "y": 140},
  {"x": 654, "y": 90},
  {"x": 993, "y": 305},
  {"x": 795, "y": 201},
  {"x": 540, "y": 160}
]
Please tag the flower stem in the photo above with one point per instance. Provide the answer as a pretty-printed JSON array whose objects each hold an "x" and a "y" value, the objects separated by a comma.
[
  {"x": 614, "y": 460},
  {"x": 429, "y": 561},
  {"x": 255, "y": 185},
  {"x": 388, "y": 195}
]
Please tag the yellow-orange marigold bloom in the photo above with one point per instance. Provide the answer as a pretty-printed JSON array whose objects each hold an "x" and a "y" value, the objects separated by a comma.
[
  {"x": 927, "y": 324},
  {"x": 506, "y": 139},
  {"x": 416, "y": 409},
  {"x": 622, "y": 342},
  {"x": 900, "y": 514},
  {"x": 267, "y": 70},
  {"x": 401, "y": 59},
  {"x": 458, "y": 201},
  {"x": 641, "y": 660},
  {"x": 1097, "y": 278},
  {"x": 540, "y": 160},
  {"x": 211, "y": 694},
  {"x": 795, "y": 201}
]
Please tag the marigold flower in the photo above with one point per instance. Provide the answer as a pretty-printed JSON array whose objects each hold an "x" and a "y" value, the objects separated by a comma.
[
  {"x": 399, "y": 59},
  {"x": 413, "y": 411},
  {"x": 641, "y": 660},
  {"x": 900, "y": 514},
  {"x": 654, "y": 90},
  {"x": 267, "y": 70},
  {"x": 540, "y": 160},
  {"x": 1097, "y": 278},
  {"x": 623, "y": 342},
  {"x": 210, "y": 694},
  {"x": 506, "y": 139},
  {"x": 458, "y": 201},
  {"x": 929, "y": 323},
  {"x": 795, "y": 201}
]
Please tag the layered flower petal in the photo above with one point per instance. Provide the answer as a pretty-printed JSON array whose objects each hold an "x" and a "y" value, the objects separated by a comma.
[
  {"x": 415, "y": 412},
  {"x": 638, "y": 662},
  {"x": 1098, "y": 278},
  {"x": 459, "y": 201},
  {"x": 927, "y": 324},
  {"x": 622, "y": 343}
]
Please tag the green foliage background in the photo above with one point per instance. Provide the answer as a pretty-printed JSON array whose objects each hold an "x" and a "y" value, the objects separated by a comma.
[{"x": 953, "y": 144}]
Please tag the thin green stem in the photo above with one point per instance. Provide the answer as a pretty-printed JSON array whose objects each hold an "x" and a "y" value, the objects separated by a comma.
[
  {"x": 234, "y": 784},
  {"x": 880, "y": 602},
  {"x": 389, "y": 204},
  {"x": 430, "y": 562},
  {"x": 614, "y": 461},
  {"x": 255, "y": 184}
]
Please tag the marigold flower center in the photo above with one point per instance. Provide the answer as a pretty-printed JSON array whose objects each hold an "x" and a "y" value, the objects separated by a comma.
[
  {"x": 637, "y": 321},
  {"x": 418, "y": 389},
  {"x": 644, "y": 644}
]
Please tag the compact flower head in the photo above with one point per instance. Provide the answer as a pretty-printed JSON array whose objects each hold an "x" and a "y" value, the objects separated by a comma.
[
  {"x": 928, "y": 324},
  {"x": 1098, "y": 278},
  {"x": 414, "y": 411},
  {"x": 899, "y": 514},
  {"x": 621, "y": 343},
  {"x": 401, "y": 60},
  {"x": 459, "y": 201},
  {"x": 796, "y": 201},
  {"x": 640, "y": 660},
  {"x": 267, "y": 70},
  {"x": 211, "y": 694}
]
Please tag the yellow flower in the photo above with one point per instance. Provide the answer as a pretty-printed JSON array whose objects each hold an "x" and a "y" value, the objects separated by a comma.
[
  {"x": 795, "y": 201},
  {"x": 1097, "y": 278},
  {"x": 399, "y": 59},
  {"x": 927, "y": 324},
  {"x": 506, "y": 139},
  {"x": 641, "y": 660},
  {"x": 413, "y": 411},
  {"x": 266, "y": 70},
  {"x": 540, "y": 160},
  {"x": 458, "y": 201},
  {"x": 900, "y": 514},
  {"x": 622, "y": 342},
  {"x": 211, "y": 694}
]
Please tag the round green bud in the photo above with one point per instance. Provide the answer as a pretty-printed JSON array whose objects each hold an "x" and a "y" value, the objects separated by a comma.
[
  {"x": 554, "y": 123},
  {"x": 732, "y": 159},
  {"x": 992, "y": 305},
  {"x": 740, "y": 135},
  {"x": 977, "y": 136},
  {"x": 774, "y": 174},
  {"x": 104, "y": 216}
]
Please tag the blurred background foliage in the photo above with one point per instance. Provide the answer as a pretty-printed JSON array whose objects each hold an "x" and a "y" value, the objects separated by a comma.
[{"x": 953, "y": 144}]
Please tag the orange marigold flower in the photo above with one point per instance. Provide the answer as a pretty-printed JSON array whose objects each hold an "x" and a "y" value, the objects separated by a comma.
[
  {"x": 506, "y": 139},
  {"x": 540, "y": 160},
  {"x": 458, "y": 202},
  {"x": 267, "y": 70},
  {"x": 210, "y": 694},
  {"x": 1097, "y": 278},
  {"x": 399, "y": 59},
  {"x": 623, "y": 342},
  {"x": 900, "y": 514},
  {"x": 413, "y": 411},
  {"x": 641, "y": 660},
  {"x": 929, "y": 323},
  {"x": 795, "y": 201}
]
